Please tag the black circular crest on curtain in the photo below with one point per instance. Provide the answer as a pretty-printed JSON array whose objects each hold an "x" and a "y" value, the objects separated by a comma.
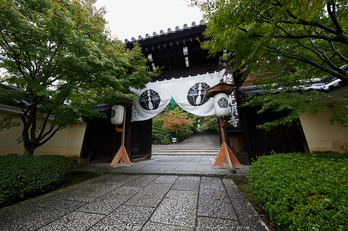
[
  {"x": 196, "y": 94},
  {"x": 150, "y": 100}
]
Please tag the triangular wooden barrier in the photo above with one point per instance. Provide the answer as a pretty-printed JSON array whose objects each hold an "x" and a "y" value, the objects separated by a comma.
[
  {"x": 121, "y": 159},
  {"x": 226, "y": 158}
]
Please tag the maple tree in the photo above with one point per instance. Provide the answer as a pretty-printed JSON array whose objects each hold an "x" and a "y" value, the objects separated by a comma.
[
  {"x": 181, "y": 124},
  {"x": 62, "y": 62},
  {"x": 283, "y": 46},
  {"x": 177, "y": 123}
]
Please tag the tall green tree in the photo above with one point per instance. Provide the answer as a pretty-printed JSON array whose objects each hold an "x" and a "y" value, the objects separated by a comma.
[
  {"x": 63, "y": 61},
  {"x": 283, "y": 44}
]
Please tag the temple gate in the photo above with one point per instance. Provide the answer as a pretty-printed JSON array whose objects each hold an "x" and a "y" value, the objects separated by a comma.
[{"x": 182, "y": 60}]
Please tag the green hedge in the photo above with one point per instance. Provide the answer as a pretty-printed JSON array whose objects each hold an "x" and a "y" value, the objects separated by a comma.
[
  {"x": 166, "y": 141},
  {"x": 27, "y": 176},
  {"x": 302, "y": 191}
]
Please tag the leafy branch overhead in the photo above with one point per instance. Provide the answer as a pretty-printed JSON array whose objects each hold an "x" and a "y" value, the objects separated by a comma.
[
  {"x": 280, "y": 44},
  {"x": 63, "y": 61}
]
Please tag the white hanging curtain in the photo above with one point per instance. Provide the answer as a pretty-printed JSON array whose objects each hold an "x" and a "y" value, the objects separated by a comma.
[
  {"x": 188, "y": 93},
  {"x": 153, "y": 100}
]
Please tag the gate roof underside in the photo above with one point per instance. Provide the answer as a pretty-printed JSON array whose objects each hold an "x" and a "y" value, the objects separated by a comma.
[{"x": 178, "y": 52}]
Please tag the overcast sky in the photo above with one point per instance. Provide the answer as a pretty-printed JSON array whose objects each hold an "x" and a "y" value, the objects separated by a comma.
[{"x": 131, "y": 18}]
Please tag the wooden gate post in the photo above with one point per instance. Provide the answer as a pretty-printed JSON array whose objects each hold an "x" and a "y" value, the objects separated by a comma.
[
  {"x": 225, "y": 158},
  {"x": 121, "y": 158},
  {"x": 225, "y": 154}
]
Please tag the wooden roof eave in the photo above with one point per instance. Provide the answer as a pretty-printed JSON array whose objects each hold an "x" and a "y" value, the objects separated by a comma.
[{"x": 220, "y": 88}]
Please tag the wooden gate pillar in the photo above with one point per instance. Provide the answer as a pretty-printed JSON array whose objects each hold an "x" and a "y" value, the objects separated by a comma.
[
  {"x": 121, "y": 158},
  {"x": 225, "y": 153}
]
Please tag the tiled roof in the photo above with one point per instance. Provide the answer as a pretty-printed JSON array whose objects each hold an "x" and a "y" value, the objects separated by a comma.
[
  {"x": 162, "y": 33},
  {"x": 318, "y": 85}
]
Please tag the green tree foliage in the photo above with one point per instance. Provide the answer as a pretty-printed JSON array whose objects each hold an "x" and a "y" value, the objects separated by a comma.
[
  {"x": 177, "y": 123},
  {"x": 200, "y": 123},
  {"x": 282, "y": 44},
  {"x": 157, "y": 131},
  {"x": 63, "y": 61},
  {"x": 196, "y": 123},
  {"x": 209, "y": 123}
]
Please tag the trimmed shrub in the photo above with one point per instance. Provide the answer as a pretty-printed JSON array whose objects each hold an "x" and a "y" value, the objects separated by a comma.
[
  {"x": 28, "y": 176},
  {"x": 166, "y": 141},
  {"x": 302, "y": 191}
]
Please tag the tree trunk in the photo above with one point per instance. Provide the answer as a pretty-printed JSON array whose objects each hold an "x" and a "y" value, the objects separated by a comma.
[{"x": 29, "y": 152}]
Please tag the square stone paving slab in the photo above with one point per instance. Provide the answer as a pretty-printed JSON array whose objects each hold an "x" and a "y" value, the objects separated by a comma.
[
  {"x": 194, "y": 161},
  {"x": 168, "y": 167},
  {"x": 189, "y": 183},
  {"x": 205, "y": 168},
  {"x": 141, "y": 181},
  {"x": 35, "y": 213},
  {"x": 151, "y": 226},
  {"x": 111, "y": 179},
  {"x": 212, "y": 183},
  {"x": 207, "y": 161},
  {"x": 177, "y": 208},
  {"x": 150, "y": 196},
  {"x": 166, "y": 179},
  {"x": 186, "y": 168},
  {"x": 92, "y": 194},
  {"x": 110, "y": 201},
  {"x": 208, "y": 223},
  {"x": 74, "y": 221},
  {"x": 125, "y": 218},
  {"x": 215, "y": 203}
]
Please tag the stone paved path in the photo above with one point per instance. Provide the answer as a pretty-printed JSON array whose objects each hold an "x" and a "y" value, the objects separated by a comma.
[
  {"x": 189, "y": 149},
  {"x": 137, "y": 202},
  {"x": 177, "y": 165},
  {"x": 165, "y": 193},
  {"x": 196, "y": 141}
]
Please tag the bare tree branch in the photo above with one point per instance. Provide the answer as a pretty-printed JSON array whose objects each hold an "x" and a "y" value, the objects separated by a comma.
[
  {"x": 331, "y": 9},
  {"x": 338, "y": 53},
  {"x": 336, "y": 72},
  {"x": 53, "y": 132}
]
